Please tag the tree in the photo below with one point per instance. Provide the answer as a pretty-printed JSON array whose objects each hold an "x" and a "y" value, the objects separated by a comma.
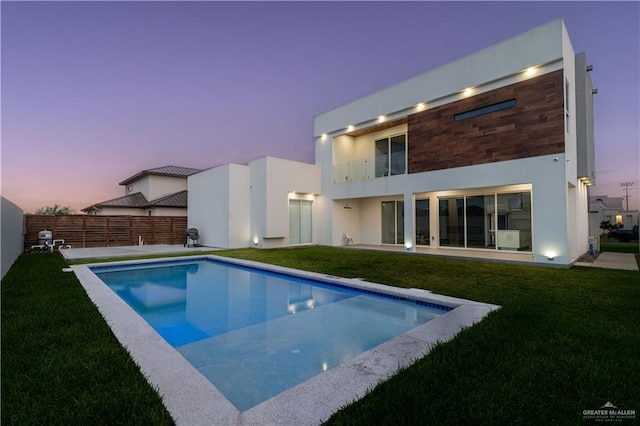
[
  {"x": 55, "y": 210},
  {"x": 608, "y": 226}
]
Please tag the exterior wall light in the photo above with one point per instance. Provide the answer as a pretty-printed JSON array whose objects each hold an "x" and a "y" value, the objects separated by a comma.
[
  {"x": 529, "y": 71},
  {"x": 468, "y": 91},
  {"x": 350, "y": 128},
  {"x": 323, "y": 136},
  {"x": 421, "y": 107},
  {"x": 381, "y": 119},
  {"x": 550, "y": 255}
]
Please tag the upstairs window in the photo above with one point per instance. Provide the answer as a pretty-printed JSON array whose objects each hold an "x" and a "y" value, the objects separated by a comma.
[
  {"x": 567, "y": 97},
  {"x": 485, "y": 110},
  {"x": 391, "y": 156}
]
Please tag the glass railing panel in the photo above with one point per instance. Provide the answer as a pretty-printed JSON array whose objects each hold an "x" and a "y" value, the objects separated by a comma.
[{"x": 370, "y": 168}]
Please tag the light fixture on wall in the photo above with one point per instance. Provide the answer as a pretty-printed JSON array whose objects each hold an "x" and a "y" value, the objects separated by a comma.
[
  {"x": 381, "y": 119},
  {"x": 529, "y": 71},
  {"x": 421, "y": 106},
  {"x": 550, "y": 255},
  {"x": 468, "y": 91},
  {"x": 350, "y": 128}
]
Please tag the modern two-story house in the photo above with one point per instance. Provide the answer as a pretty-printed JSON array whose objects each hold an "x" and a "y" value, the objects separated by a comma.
[{"x": 487, "y": 156}]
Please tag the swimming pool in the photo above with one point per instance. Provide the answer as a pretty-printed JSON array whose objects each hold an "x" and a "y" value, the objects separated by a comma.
[
  {"x": 193, "y": 400},
  {"x": 255, "y": 333}
]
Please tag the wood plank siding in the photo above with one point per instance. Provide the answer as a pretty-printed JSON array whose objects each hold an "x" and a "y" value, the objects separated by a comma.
[
  {"x": 533, "y": 127},
  {"x": 82, "y": 231}
]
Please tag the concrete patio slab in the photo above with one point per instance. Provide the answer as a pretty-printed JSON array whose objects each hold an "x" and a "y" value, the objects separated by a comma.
[
  {"x": 608, "y": 260},
  {"x": 133, "y": 251}
]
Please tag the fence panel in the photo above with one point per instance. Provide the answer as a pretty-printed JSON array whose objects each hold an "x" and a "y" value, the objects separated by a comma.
[{"x": 104, "y": 231}]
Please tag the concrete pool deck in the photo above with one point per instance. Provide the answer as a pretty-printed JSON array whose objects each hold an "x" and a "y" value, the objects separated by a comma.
[
  {"x": 193, "y": 400},
  {"x": 128, "y": 251}
]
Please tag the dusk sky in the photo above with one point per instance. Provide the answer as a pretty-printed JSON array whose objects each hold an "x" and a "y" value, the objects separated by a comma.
[{"x": 93, "y": 92}]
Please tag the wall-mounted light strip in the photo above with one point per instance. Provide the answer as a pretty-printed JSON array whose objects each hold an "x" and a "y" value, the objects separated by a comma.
[{"x": 469, "y": 91}]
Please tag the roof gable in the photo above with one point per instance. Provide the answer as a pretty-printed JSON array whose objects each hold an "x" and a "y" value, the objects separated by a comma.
[
  {"x": 136, "y": 200},
  {"x": 171, "y": 171}
]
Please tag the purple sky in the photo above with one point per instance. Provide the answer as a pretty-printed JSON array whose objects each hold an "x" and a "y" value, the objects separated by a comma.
[{"x": 93, "y": 92}]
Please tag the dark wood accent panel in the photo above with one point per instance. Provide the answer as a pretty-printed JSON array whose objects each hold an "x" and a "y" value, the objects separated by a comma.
[
  {"x": 104, "y": 231},
  {"x": 378, "y": 127},
  {"x": 534, "y": 127}
]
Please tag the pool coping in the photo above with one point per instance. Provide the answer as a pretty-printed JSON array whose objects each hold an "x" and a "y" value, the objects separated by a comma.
[{"x": 193, "y": 400}]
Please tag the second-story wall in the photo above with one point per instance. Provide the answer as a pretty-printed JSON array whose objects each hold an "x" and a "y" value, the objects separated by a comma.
[
  {"x": 533, "y": 126},
  {"x": 154, "y": 187}
]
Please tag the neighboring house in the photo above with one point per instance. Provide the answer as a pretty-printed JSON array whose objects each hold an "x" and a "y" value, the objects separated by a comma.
[
  {"x": 603, "y": 208},
  {"x": 155, "y": 192},
  {"x": 490, "y": 155}
]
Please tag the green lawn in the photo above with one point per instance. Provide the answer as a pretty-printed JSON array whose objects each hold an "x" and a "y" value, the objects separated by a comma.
[
  {"x": 61, "y": 364},
  {"x": 565, "y": 340},
  {"x": 613, "y": 245}
]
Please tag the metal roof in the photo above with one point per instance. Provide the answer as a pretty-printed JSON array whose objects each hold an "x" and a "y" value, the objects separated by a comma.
[
  {"x": 173, "y": 171},
  {"x": 137, "y": 200},
  {"x": 133, "y": 200},
  {"x": 179, "y": 199}
]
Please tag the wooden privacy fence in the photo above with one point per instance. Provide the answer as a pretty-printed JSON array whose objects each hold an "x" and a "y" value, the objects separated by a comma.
[{"x": 103, "y": 231}]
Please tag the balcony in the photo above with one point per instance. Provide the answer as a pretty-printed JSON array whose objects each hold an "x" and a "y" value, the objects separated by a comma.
[{"x": 370, "y": 168}]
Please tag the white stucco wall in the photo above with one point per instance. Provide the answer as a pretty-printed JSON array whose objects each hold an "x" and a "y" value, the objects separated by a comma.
[
  {"x": 219, "y": 205},
  {"x": 272, "y": 180},
  {"x": 139, "y": 185},
  {"x": 11, "y": 234},
  {"x": 167, "y": 211},
  {"x": 159, "y": 186},
  {"x": 248, "y": 205},
  {"x": 239, "y": 215}
]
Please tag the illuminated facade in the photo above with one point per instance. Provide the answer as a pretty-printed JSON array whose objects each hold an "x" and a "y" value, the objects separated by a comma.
[{"x": 487, "y": 156}]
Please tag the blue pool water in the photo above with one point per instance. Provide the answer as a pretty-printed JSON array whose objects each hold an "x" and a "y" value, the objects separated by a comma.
[{"x": 255, "y": 333}]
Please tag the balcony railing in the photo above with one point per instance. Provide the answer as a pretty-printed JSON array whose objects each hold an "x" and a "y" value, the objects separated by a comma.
[{"x": 369, "y": 168}]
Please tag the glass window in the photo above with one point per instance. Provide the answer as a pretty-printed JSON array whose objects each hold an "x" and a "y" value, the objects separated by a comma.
[
  {"x": 478, "y": 221},
  {"x": 300, "y": 222},
  {"x": 567, "y": 97},
  {"x": 514, "y": 221},
  {"x": 393, "y": 222},
  {"x": 398, "y": 154},
  {"x": 422, "y": 222},
  {"x": 485, "y": 110},
  {"x": 391, "y": 156},
  {"x": 382, "y": 157},
  {"x": 451, "y": 212},
  {"x": 496, "y": 221}
]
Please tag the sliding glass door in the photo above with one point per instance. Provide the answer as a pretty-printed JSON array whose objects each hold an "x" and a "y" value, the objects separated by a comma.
[
  {"x": 493, "y": 221},
  {"x": 299, "y": 222},
  {"x": 393, "y": 222},
  {"x": 423, "y": 233}
]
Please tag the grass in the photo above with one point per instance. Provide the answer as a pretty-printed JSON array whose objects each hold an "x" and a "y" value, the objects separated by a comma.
[
  {"x": 613, "y": 245},
  {"x": 61, "y": 364},
  {"x": 565, "y": 340}
]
